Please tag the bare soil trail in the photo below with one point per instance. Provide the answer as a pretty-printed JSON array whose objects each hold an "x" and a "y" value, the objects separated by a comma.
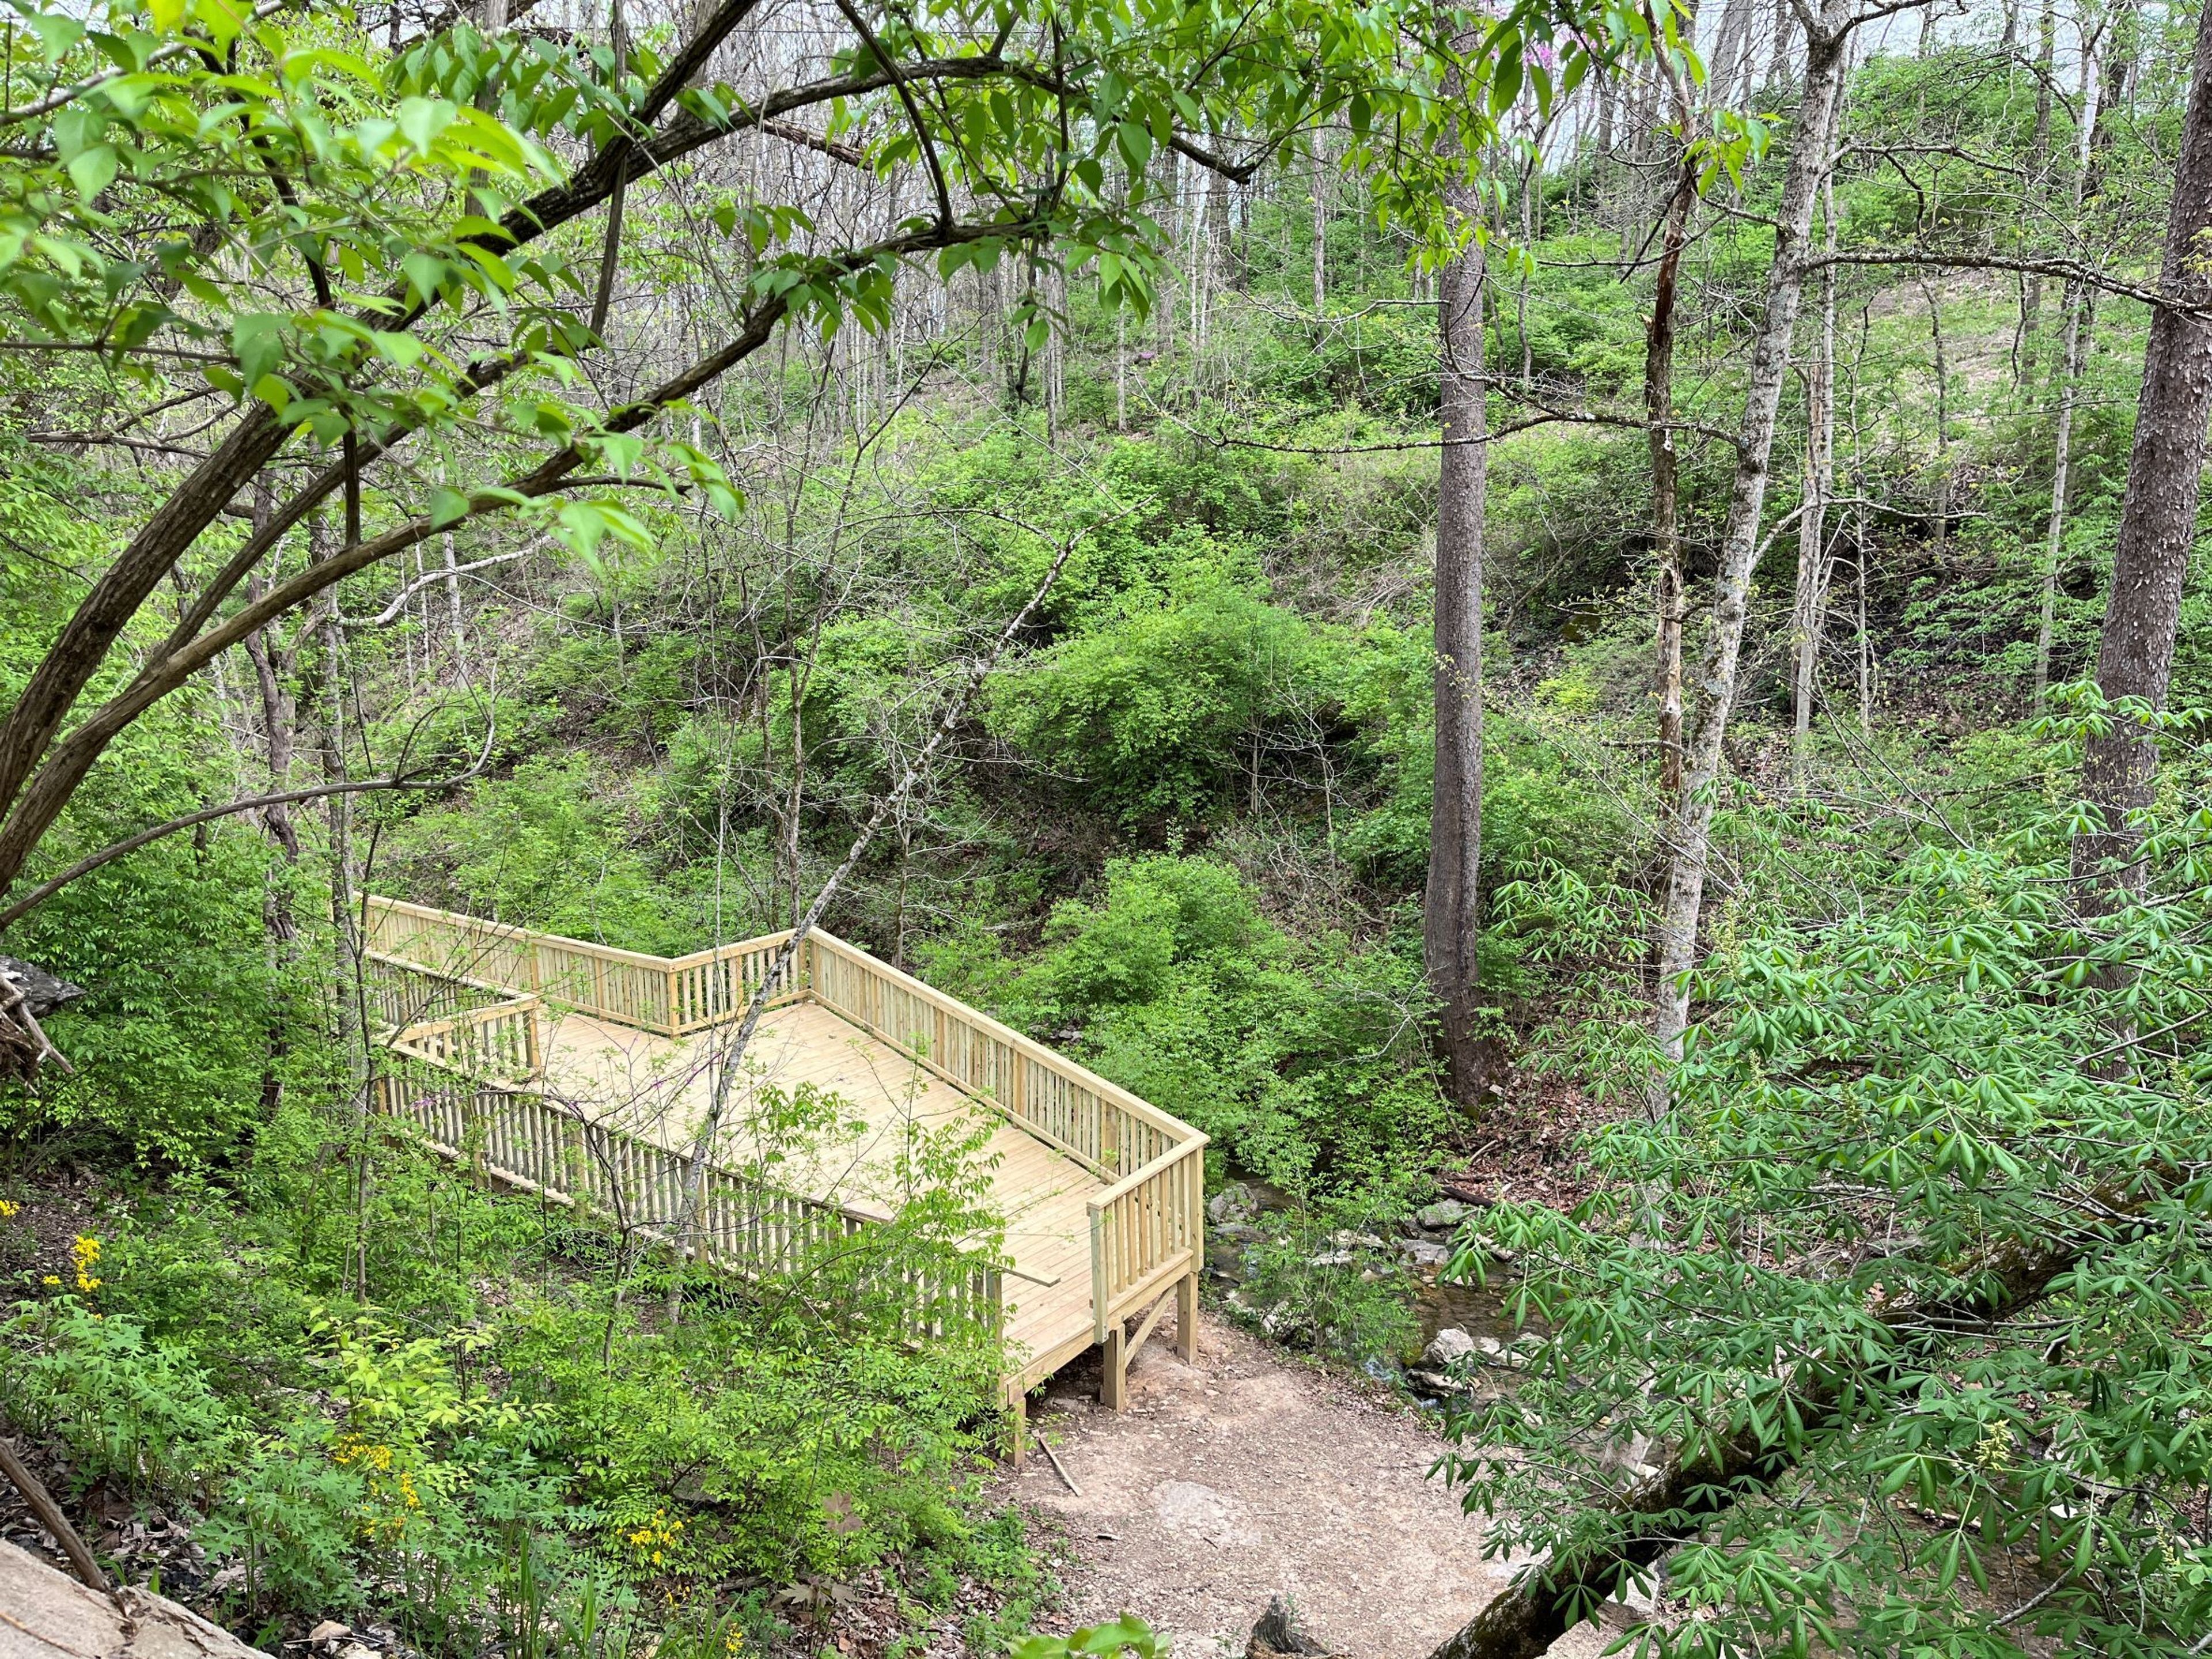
[{"x": 1247, "y": 1475}]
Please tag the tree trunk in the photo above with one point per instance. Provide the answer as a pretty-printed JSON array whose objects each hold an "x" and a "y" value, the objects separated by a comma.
[
  {"x": 1451, "y": 907},
  {"x": 2078, "y": 309},
  {"x": 1785, "y": 35},
  {"x": 1319, "y": 226},
  {"x": 1809, "y": 610},
  {"x": 2075, "y": 336},
  {"x": 2039, "y": 168},
  {"x": 1942, "y": 370},
  {"x": 1826, "y": 43},
  {"x": 1866, "y": 639},
  {"x": 1666, "y": 517},
  {"x": 1727, "y": 51},
  {"x": 2158, "y": 514}
]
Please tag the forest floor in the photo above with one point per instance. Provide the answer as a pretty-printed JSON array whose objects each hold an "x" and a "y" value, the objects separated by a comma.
[{"x": 1249, "y": 1475}]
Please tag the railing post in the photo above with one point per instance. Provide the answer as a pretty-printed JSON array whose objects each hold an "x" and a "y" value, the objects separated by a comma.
[{"x": 1098, "y": 1289}]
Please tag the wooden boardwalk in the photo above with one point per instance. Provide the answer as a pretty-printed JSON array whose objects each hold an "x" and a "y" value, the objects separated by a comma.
[{"x": 1100, "y": 1194}]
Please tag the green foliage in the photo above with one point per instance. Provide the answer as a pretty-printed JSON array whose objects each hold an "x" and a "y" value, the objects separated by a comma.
[
  {"x": 1148, "y": 713},
  {"x": 1960, "y": 1085},
  {"x": 1126, "y": 1634},
  {"x": 1330, "y": 1282},
  {"x": 545, "y": 847},
  {"x": 137, "y": 1411},
  {"x": 497, "y": 1441},
  {"x": 1537, "y": 810},
  {"x": 170, "y": 1041},
  {"x": 1299, "y": 1057}
]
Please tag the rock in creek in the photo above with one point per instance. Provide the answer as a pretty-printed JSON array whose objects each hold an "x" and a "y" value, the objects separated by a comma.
[
  {"x": 1447, "y": 1347},
  {"x": 1232, "y": 1203}
]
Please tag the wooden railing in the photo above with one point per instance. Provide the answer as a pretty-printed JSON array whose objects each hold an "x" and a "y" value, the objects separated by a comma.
[
  {"x": 746, "y": 1225},
  {"x": 709, "y": 986},
  {"x": 1147, "y": 1228},
  {"x": 499, "y": 1042},
  {"x": 670, "y": 995},
  {"x": 1098, "y": 1123},
  {"x": 401, "y": 994},
  {"x": 478, "y": 1028}
]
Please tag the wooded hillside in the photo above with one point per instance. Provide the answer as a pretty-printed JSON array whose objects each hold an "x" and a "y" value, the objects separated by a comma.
[{"x": 1587, "y": 613}]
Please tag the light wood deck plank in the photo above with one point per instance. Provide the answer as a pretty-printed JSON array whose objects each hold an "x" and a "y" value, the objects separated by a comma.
[{"x": 660, "y": 1089}]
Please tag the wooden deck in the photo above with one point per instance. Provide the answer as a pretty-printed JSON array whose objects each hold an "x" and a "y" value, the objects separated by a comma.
[
  {"x": 1100, "y": 1194},
  {"x": 658, "y": 1088}
]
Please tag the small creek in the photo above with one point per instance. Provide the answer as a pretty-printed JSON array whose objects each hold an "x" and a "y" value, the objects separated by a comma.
[{"x": 1483, "y": 1312}]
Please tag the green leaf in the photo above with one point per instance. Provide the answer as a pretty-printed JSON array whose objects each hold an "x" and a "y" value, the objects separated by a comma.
[
  {"x": 447, "y": 507},
  {"x": 93, "y": 170},
  {"x": 426, "y": 274},
  {"x": 257, "y": 340},
  {"x": 401, "y": 350},
  {"x": 57, "y": 34},
  {"x": 422, "y": 121}
]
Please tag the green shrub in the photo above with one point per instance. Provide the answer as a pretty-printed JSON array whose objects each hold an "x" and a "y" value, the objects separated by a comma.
[
  {"x": 1952, "y": 1089},
  {"x": 1303, "y": 1060},
  {"x": 136, "y": 1411},
  {"x": 1154, "y": 711}
]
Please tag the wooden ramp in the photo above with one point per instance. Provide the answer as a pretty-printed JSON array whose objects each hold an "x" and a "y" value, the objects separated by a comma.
[{"x": 1100, "y": 1194}]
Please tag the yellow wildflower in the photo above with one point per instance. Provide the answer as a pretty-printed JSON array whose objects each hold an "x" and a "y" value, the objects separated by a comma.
[
  {"x": 51, "y": 1279},
  {"x": 87, "y": 1254},
  {"x": 8, "y": 1210}
]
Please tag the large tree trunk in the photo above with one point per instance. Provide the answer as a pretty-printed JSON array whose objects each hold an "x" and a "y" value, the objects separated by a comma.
[
  {"x": 2077, "y": 308},
  {"x": 1826, "y": 45},
  {"x": 2025, "y": 352},
  {"x": 1666, "y": 509},
  {"x": 1451, "y": 910},
  {"x": 2158, "y": 515},
  {"x": 1809, "y": 611}
]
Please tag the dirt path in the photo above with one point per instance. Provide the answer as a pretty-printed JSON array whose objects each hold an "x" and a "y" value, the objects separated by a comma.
[{"x": 1245, "y": 1476}]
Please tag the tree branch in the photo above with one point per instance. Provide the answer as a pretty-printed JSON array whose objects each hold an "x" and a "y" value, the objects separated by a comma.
[
  {"x": 84, "y": 866},
  {"x": 2068, "y": 269}
]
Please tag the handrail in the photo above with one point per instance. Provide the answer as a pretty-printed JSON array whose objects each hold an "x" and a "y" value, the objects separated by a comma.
[
  {"x": 1135, "y": 1178},
  {"x": 670, "y": 996},
  {"x": 476, "y": 1037},
  {"x": 390, "y": 960},
  {"x": 1029, "y": 1047},
  {"x": 745, "y": 1225},
  {"x": 1147, "y": 1231},
  {"x": 516, "y": 931}
]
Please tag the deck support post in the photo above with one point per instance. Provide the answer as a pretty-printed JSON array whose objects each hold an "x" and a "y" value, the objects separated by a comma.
[
  {"x": 1017, "y": 1426},
  {"x": 1187, "y": 1318},
  {"x": 1113, "y": 1385}
]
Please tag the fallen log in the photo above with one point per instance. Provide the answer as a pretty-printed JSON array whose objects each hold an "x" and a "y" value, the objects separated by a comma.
[
  {"x": 28, "y": 994},
  {"x": 45, "y": 1615}
]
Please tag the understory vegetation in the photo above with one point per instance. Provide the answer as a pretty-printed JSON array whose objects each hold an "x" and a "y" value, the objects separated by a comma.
[{"x": 1044, "y": 559}]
